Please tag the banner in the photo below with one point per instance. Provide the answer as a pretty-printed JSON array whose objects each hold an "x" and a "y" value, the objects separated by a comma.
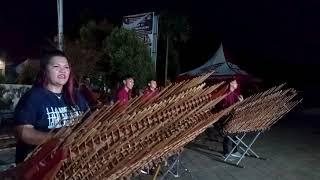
[
  {"x": 146, "y": 26},
  {"x": 142, "y": 24}
]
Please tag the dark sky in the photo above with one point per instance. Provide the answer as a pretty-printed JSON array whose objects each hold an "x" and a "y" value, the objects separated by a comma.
[
  {"x": 25, "y": 24},
  {"x": 273, "y": 39},
  {"x": 285, "y": 31}
]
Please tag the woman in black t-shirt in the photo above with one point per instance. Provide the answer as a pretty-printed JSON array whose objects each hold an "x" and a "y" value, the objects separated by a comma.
[{"x": 52, "y": 103}]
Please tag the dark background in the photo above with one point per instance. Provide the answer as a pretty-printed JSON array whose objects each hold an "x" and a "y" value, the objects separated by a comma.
[{"x": 277, "y": 41}]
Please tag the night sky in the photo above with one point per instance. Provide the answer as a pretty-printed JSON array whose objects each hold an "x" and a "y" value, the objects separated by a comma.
[{"x": 272, "y": 39}]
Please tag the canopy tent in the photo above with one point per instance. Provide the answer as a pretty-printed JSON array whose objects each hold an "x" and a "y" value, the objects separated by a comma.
[
  {"x": 223, "y": 70},
  {"x": 219, "y": 65}
]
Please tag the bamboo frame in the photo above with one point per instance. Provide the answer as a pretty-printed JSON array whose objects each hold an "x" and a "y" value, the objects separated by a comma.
[{"x": 115, "y": 142}]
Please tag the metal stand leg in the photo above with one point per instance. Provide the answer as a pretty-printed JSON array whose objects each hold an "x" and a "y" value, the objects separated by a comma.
[
  {"x": 246, "y": 149},
  {"x": 174, "y": 168},
  {"x": 145, "y": 170},
  {"x": 236, "y": 145}
]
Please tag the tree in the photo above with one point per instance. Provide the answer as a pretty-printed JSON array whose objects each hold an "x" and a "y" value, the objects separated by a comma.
[
  {"x": 85, "y": 52},
  {"x": 174, "y": 31},
  {"x": 82, "y": 58},
  {"x": 93, "y": 33},
  {"x": 29, "y": 72},
  {"x": 128, "y": 55},
  {"x": 2, "y": 79}
]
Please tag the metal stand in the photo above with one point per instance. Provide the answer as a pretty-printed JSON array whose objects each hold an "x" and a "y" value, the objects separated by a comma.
[
  {"x": 239, "y": 142},
  {"x": 145, "y": 171},
  {"x": 175, "y": 166}
]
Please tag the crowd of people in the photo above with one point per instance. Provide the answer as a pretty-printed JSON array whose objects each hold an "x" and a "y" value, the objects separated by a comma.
[{"x": 55, "y": 100}]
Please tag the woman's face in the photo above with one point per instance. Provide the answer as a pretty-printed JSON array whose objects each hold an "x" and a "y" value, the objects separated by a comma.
[
  {"x": 58, "y": 71},
  {"x": 233, "y": 85}
]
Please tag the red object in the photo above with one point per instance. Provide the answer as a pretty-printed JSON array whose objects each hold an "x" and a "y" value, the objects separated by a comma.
[
  {"x": 42, "y": 166},
  {"x": 149, "y": 95},
  {"x": 149, "y": 92},
  {"x": 123, "y": 96}
]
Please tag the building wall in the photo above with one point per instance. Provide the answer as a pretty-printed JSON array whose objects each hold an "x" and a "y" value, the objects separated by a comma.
[{"x": 2, "y": 67}]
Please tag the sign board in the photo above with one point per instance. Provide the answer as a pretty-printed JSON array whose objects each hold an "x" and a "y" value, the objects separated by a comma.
[{"x": 146, "y": 26}]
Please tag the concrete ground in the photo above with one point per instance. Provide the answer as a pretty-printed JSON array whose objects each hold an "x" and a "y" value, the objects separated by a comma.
[{"x": 292, "y": 149}]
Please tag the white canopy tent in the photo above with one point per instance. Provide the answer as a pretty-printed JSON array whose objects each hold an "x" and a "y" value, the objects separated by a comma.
[
  {"x": 224, "y": 70},
  {"x": 219, "y": 65}
]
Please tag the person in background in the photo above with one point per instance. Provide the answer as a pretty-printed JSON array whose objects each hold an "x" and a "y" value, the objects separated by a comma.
[
  {"x": 151, "y": 89},
  {"x": 53, "y": 102},
  {"x": 87, "y": 92},
  {"x": 232, "y": 97},
  {"x": 124, "y": 93}
]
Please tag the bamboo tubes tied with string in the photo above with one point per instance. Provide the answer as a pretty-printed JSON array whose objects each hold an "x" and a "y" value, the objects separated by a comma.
[
  {"x": 259, "y": 112},
  {"x": 116, "y": 142}
]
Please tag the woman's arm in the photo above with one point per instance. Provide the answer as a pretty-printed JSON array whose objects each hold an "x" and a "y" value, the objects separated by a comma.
[
  {"x": 29, "y": 135},
  {"x": 240, "y": 98}
]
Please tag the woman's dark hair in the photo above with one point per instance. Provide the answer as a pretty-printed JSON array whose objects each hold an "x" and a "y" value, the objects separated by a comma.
[
  {"x": 234, "y": 78},
  {"x": 42, "y": 79}
]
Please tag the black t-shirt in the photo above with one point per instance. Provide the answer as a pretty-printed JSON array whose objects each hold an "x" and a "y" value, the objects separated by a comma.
[{"x": 44, "y": 110}]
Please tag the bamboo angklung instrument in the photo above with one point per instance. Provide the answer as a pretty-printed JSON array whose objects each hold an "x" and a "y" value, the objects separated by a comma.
[
  {"x": 259, "y": 112},
  {"x": 116, "y": 142}
]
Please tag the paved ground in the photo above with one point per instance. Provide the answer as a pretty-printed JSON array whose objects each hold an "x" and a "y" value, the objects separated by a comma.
[{"x": 292, "y": 149}]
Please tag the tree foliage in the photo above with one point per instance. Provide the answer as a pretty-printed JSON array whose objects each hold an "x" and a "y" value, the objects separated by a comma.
[
  {"x": 82, "y": 57},
  {"x": 177, "y": 29},
  {"x": 85, "y": 52},
  {"x": 2, "y": 79},
  {"x": 93, "y": 33},
  {"x": 174, "y": 25},
  {"x": 128, "y": 56},
  {"x": 28, "y": 72}
]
